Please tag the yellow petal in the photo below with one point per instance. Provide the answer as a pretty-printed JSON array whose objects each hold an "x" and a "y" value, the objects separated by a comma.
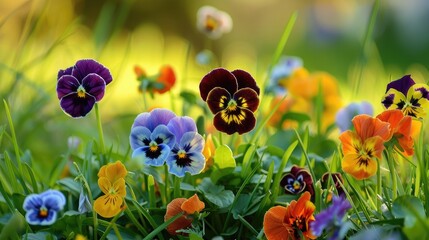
[
  {"x": 116, "y": 170},
  {"x": 119, "y": 187},
  {"x": 104, "y": 184},
  {"x": 351, "y": 164},
  {"x": 108, "y": 206}
]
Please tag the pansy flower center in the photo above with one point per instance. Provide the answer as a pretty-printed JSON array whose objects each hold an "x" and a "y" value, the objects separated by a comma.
[
  {"x": 43, "y": 212},
  {"x": 182, "y": 159},
  {"x": 296, "y": 185},
  {"x": 211, "y": 23},
  {"x": 112, "y": 191},
  {"x": 232, "y": 105},
  {"x": 81, "y": 92},
  {"x": 153, "y": 146}
]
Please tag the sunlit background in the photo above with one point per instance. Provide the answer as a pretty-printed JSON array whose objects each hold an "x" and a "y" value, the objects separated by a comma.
[{"x": 37, "y": 38}]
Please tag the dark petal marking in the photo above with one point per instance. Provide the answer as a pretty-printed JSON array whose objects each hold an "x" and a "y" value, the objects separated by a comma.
[
  {"x": 154, "y": 154},
  {"x": 67, "y": 84},
  {"x": 76, "y": 106},
  {"x": 86, "y": 66},
  {"x": 67, "y": 71},
  {"x": 218, "y": 77},
  {"x": 183, "y": 161},
  {"x": 94, "y": 85},
  {"x": 287, "y": 179},
  {"x": 402, "y": 84},
  {"x": 388, "y": 100},
  {"x": 218, "y": 99},
  {"x": 424, "y": 92},
  {"x": 247, "y": 98},
  {"x": 244, "y": 80},
  {"x": 241, "y": 120}
]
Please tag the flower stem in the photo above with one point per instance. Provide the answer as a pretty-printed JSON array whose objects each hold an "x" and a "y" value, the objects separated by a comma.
[
  {"x": 100, "y": 128},
  {"x": 378, "y": 187},
  {"x": 112, "y": 224},
  {"x": 391, "y": 164},
  {"x": 166, "y": 190},
  {"x": 177, "y": 187}
]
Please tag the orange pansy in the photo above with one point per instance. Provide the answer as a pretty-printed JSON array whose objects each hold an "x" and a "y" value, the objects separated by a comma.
[
  {"x": 362, "y": 147},
  {"x": 400, "y": 129},
  {"x": 167, "y": 78},
  {"x": 188, "y": 206},
  {"x": 287, "y": 222}
]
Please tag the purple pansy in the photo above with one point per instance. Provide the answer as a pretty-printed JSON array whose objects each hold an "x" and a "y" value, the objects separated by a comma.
[
  {"x": 43, "y": 208},
  {"x": 150, "y": 138},
  {"x": 186, "y": 155},
  {"x": 344, "y": 116},
  {"x": 298, "y": 180},
  {"x": 331, "y": 219},
  {"x": 406, "y": 95},
  {"x": 337, "y": 181},
  {"x": 281, "y": 71},
  {"x": 79, "y": 87}
]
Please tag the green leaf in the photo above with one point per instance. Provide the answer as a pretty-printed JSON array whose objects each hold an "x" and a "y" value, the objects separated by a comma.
[
  {"x": 223, "y": 157},
  {"x": 408, "y": 207},
  {"x": 72, "y": 185},
  {"x": 216, "y": 194},
  {"x": 194, "y": 236},
  {"x": 246, "y": 205}
]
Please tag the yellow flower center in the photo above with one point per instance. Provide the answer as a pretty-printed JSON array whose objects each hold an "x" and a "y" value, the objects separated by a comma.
[
  {"x": 153, "y": 147},
  {"x": 211, "y": 23},
  {"x": 81, "y": 92},
  {"x": 43, "y": 212},
  {"x": 232, "y": 105},
  {"x": 181, "y": 154},
  {"x": 112, "y": 191},
  {"x": 296, "y": 185}
]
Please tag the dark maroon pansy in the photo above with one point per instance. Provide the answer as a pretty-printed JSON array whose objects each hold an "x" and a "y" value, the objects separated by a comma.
[
  {"x": 298, "y": 180},
  {"x": 79, "y": 87},
  {"x": 233, "y": 97},
  {"x": 337, "y": 181}
]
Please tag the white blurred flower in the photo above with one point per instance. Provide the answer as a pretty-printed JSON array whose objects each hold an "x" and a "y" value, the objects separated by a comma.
[{"x": 213, "y": 22}]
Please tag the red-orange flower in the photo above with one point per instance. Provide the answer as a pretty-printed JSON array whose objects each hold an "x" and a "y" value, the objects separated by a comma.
[
  {"x": 400, "y": 129},
  {"x": 188, "y": 206},
  {"x": 288, "y": 222},
  {"x": 363, "y": 146},
  {"x": 160, "y": 83}
]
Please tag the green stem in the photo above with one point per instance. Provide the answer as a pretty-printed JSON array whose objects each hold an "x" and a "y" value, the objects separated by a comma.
[
  {"x": 166, "y": 190},
  {"x": 220, "y": 138},
  {"x": 111, "y": 224},
  {"x": 135, "y": 221},
  {"x": 100, "y": 128},
  {"x": 88, "y": 190},
  {"x": 177, "y": 181},
  {"x": 391, "y": 164},
  {"x": 162, "y": 226},
  {"x": 378, "y": 187}
]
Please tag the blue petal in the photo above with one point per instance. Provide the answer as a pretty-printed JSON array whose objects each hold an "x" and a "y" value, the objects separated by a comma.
[
  {"x": 161, "y": 133},
  {"x": 32, "y": 202},
  {"x": 32, "y": 217},
  {"x": 138, "y": 135},
  {"x": 196, "y": 166},
  {"x": 192, "y": 142},
  {"x": 59, "y": 197},
  {"x": 84, "y": 204},
  {"x": 50, "y": 219},
  {"x": 152, "y": 158},
  {"x": 156, "y": 117},
  {"x": 181, "y": 125}
]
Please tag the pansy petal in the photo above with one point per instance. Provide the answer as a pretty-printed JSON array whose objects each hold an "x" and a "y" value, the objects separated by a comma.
[
  {"x": 350, "y": 141},
  {"x": 119, "y": 187},
  {"x": 86, "y": 66},
  {"x": 53, "y": 202},
  {"x": 139, "y": 137},
  {"x": 167, "y": 78},
  {"x": 108, "y": 206},
  {"x": 195, "y": 164},
  {"x": 94, "y": 85},
  {"x": 104, "y": 184},
  {"x": 420, "y": 90},
  {"x": 152, "y": 157},
  {"x": 67, "y": 71},
  {"x": 219, "y": 77},
  {"x": 394, "y": 99},
  {"x": 367, "y": 126},
  {"x": 67, "y": 84},
  {"x": 247, "y": 98},
  {"x": 162, "y": 135},
  {"x": 181, "y": 125},
  {"x": 218, "y": 99},
  {"x": 174, "y": 208},
  {"x": 192, "y": 142},
  {"x": 402, "y": 85},
  {"x": 32, "y": 201},
  {"x": 241, "y": 120},
  {"x": 154, "y": 118},
  {"x": 76, "y": 106},
  {"x": 245, "y": 80},
  {"x": 273, "y": 224},
  {"x": 115, "y": 171},
  {"x": 61, "y": 199},
  {"x": 192, "y": 205},
  {"x": 352, "y": 165}
]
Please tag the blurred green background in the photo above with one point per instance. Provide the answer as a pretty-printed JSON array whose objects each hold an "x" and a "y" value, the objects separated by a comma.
[{"x": 39, "y": 37}]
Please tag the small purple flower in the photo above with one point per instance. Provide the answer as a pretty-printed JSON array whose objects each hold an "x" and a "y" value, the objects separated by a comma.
[
  {"x": 345, "y": 115},
  {"x": 84, "y": 203},
  {"x": 79, "y": 87},
  {"x": 150, "y": 138},
  {"x": 42, "y": 209},
  {"x": 332, "y": 219},
  {"x": 186, "y": 155},
  {"x": 281, "y": 71},
  {"x": 298, "y": 180}
]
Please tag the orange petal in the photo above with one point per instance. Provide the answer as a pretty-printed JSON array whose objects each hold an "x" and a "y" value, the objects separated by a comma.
[
  {"x": 300, "y": 207},
  {"x": 115, "y": 171},
  {"x": 102, "y": 171},
  {"x": 167, "y": 77},
  {"x": 350, "y": 141},
  {"x": 174, "y": 208},
  {"x": 273, "y": 224},
  {"x": 192, "y": 205},
  {"x": 108, "y": 206},
  {"x": 139, "y": 71},
  {"x": 351, "y": 165},
  {"x": 367, "y": 126},
  {"x": 119, "y": 187}
]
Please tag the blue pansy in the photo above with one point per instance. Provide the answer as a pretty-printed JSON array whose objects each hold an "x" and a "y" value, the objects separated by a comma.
[
  {"x": 43, "y": 208},
  {"x": 84, "y": 203},
  {"x": 150, "y": 138},
  {"x": 344, "y": 116},
  {"x": 282, "y": 70},
  {"x": 186, "y": 155}
]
